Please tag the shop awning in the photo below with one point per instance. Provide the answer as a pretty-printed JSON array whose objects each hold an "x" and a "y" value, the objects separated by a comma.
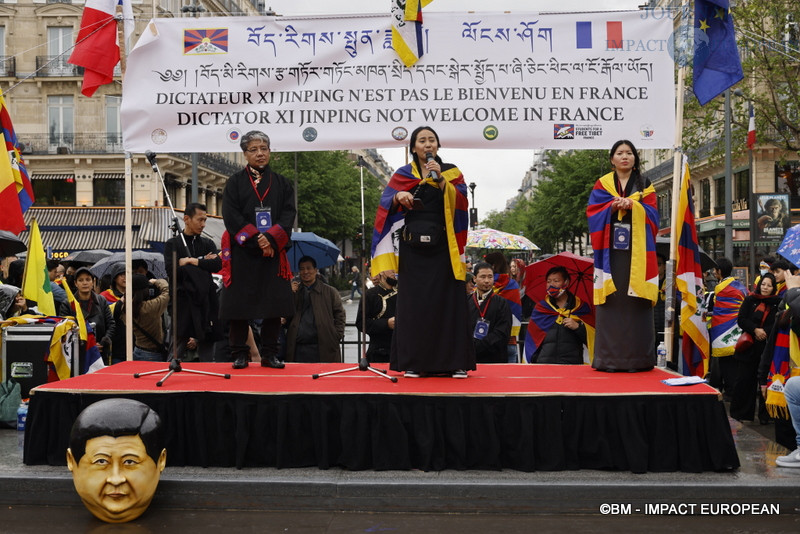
[{"x": 78, "y": 228}]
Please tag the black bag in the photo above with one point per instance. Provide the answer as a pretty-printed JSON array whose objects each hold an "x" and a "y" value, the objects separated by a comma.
[{"x": 421, "y": 233}]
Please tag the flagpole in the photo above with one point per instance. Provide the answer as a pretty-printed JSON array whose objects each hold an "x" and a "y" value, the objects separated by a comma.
[
  {"x": 670, "y": 317},
  {"x": 128, "y": 208}
]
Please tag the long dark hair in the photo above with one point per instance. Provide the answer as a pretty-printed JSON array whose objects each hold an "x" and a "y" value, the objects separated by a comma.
[
  {"x": 413, "y": 141},
  {"x": 774, "y": 284},
  {"x": 636, "y": 173}
]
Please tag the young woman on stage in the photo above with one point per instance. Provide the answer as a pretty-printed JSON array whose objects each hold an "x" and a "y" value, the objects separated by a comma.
[
  {"x": 420, "y": 232},
  {"x": 623, "y": 221}
]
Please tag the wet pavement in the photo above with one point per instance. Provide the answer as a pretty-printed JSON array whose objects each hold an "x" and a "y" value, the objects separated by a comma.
[{"x": 758, "y": 497}]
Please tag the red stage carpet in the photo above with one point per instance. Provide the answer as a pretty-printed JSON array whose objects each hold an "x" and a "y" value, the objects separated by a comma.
[
  {"x": 491, "y": 380},
  {"x": 526, "y": 417}
]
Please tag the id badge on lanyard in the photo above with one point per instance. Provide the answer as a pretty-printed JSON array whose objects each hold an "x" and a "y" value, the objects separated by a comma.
[
  {"x": 481, "y": 329},
  {"x": 622, "y": 236},
  {"x": 263, "y": 219}
]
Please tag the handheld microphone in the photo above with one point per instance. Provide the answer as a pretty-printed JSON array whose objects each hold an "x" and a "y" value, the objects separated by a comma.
[
  {"x": 432, "y": 174},
  {"x": 151, "y": 157}
]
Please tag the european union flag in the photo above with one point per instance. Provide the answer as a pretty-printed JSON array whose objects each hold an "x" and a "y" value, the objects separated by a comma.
[{"x": 716, "y": 59}]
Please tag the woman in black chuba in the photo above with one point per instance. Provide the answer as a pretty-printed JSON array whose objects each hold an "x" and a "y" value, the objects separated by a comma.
[{"x": 430, "y": 198}]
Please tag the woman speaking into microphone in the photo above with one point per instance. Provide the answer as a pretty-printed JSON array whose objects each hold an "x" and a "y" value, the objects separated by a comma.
[{"x": 420, "y": 232}]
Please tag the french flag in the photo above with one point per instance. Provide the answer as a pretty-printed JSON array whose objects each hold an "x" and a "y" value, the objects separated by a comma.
[
  {"x": 751, "y": 130},
  {"x": 96, "y": 49},
  {"x": 583, "y": 32}
]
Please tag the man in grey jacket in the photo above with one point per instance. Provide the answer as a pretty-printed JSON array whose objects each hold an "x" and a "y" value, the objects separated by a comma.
[{"x": 317, "y": 327}]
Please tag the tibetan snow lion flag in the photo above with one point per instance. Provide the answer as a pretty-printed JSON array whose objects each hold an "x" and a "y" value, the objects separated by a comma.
[
  {"x": 407, "y": 33},
  {"x": 689, "y": 281}
]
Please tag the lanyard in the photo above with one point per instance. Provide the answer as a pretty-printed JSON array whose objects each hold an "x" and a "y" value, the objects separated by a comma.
[
  {"x": 486, "y": 303},
  {"x": 255, "y": 189}
]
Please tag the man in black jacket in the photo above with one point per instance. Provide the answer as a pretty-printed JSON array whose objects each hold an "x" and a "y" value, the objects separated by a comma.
[
  {"x": 197, "y": 322},
  {"x": 490, "y": 318},
  {"x": 381, "y": 301}
]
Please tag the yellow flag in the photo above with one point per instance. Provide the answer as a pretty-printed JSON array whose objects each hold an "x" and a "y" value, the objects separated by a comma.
[
  {"x": 82, "y": 332},
  {"x": 36, "y": 281}
]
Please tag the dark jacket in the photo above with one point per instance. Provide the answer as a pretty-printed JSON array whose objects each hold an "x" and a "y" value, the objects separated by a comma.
[
  {"x": 257, "y": 288},
  {"x": 198, "y": 302},
  {"x": 329, "y": 320},
  {"x": 783, "y": 317},
  {"x": 493, "y": 347},
  {"x": 380, "y": 307},
  {"x": 753, "y": 315},
  {"x": 95, "y": 310},
  {"x": 561, "y": 344}
]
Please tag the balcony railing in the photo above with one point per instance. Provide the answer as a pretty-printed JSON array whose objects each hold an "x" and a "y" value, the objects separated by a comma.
[
  {"x": 70, "y": 143},
  {"x": 48, "y": 66},
  {"x": 80, "y": 143},
  {"x": 8, "y": 66}
]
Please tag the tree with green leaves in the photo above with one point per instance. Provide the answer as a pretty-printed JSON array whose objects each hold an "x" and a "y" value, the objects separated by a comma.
[
  {"x": 555, "y": 215},
  {"x": 768, "y": 34},
  {"x": 328, "y": 193}
]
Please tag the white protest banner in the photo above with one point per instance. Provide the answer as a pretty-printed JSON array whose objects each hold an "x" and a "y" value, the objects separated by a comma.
[{"x": 486, "y": 80}]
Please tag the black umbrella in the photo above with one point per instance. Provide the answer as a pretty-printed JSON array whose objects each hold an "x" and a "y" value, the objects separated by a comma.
[
  {"x": 154, "y": 260},
  {"x": 662, "y": 247},
  {"x": 10, "y": 244},
  {"x": 88, "y": 257}
]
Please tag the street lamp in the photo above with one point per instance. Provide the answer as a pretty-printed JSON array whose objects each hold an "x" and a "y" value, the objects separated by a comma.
[{"x": 473, "y": 211}]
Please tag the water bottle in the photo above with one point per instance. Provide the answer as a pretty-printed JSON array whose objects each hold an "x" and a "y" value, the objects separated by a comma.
[
  {"x": 22, "y": 415},
  {"x": 661, "y": 353}
]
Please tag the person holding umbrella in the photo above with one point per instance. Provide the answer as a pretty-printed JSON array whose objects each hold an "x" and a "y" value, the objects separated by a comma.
[
  {"x": 558, "y": 329},
  {"x": 623, "y": 221}
]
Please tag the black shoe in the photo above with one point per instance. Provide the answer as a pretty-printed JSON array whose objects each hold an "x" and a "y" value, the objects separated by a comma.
[
  {"x": 240, "y": 362},
  {"x": 273, "y": 362}
]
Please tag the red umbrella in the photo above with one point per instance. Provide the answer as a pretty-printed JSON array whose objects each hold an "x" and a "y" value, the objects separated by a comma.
[{"x": 581, "y": 273}]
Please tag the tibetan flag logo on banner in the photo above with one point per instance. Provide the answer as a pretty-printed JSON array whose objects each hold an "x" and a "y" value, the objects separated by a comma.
[
  {"x": 407, "y": 33},
  {"x": 689, "y": 281},
  {"x": 205, "y": 42},
  {"x": 613, "y": 40}
]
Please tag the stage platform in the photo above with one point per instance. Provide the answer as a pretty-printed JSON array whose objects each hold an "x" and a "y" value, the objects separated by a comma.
[{"x": 520, "y": 417}]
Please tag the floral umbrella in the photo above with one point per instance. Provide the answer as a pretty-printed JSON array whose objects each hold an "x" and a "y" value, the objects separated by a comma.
[{"x": 495, "y": 239}]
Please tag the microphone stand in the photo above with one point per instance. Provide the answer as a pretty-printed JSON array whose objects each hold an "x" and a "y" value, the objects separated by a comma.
[
  {"x": 175, "y": 362},
  {"x": 363, "y": 362}
]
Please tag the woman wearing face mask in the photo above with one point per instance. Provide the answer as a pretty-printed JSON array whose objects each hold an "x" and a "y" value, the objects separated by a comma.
[
  {"x": 556, "y": 331},
  {"x": 756, "y": 317},
  {"x": 623, "y": 221}
]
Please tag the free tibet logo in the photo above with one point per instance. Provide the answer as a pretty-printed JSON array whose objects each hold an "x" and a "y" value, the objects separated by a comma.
[
  {"x": 563, "y": 131},
  {"x": 234, "y": 135},
  {"x": 490, "y": 133}
]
